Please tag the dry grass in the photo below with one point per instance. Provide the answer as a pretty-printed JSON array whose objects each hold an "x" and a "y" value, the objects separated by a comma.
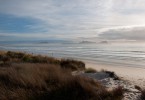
[
  {"x": 47, "y": 81},
  {"x": 72, "y": 64},
  {"x": 30, "y": 79},
  {"x": 2, "y": 52},
  {"x": 23, "y": 57},
  {"x": 6, "y": 58}
]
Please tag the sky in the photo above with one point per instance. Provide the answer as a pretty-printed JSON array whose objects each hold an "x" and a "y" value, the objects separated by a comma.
[{"x": 71, "y": 19}]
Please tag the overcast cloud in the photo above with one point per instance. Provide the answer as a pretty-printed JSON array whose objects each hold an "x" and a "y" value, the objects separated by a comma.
[
  {"x": 73, "y": 18},
  {"x": 129, "y": 33}
]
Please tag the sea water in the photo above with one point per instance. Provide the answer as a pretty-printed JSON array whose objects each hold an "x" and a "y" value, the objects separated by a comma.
[{"x": 124, "y": 54}]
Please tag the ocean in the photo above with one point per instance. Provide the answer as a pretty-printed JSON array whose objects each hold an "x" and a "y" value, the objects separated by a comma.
[{"x": 117, "y": 54}]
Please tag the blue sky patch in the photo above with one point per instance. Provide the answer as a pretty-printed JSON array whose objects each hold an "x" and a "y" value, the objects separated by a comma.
[{"x": 12, "y": 24}]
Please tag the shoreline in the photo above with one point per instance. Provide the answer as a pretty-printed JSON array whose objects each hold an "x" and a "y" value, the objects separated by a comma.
[
  {"x": 134, "y": 71},
  {"x": 119, "y": 69},
  {"x": 133, "y": 75}
]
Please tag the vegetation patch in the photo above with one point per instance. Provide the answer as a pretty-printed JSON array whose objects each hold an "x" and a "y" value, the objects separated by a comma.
[
  {"x": 72, "y": 64},
  {"x": 35, "y": 77},
  {"x": 90, "y": 70}
]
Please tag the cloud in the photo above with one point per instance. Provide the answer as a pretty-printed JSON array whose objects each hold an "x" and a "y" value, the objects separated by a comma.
[
  {"x": 60, "y": 17},
  {"x": 129, "y": 7},
  {"x": 126, "y": 33},
  {"x": 73, "y": 17}
]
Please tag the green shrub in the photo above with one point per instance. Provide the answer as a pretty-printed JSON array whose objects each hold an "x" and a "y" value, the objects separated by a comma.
[
  {"x": 27, "y": 58},
  {"x": 90, "y": 70}
]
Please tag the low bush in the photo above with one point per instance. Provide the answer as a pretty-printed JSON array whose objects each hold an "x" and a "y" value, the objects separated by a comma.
[
  {"x": 72, "y": 64},
  {"x": 27, "y": 58},
  {"x": 18, "y": 55},
  {"x": 90, "y": 70}
]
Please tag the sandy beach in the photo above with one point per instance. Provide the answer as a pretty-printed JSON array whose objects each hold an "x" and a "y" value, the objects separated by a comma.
[{"x": 133, "y": 75}]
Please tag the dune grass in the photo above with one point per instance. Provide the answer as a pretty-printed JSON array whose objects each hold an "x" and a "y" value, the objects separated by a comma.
[
  {"x": 72, "y": 64},
  {"x": 20, "y": 57},
  {"x": 48, "y": 80}
]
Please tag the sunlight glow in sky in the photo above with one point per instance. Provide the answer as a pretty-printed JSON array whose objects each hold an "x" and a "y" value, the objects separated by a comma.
[{"x": 44, "y": 19}]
